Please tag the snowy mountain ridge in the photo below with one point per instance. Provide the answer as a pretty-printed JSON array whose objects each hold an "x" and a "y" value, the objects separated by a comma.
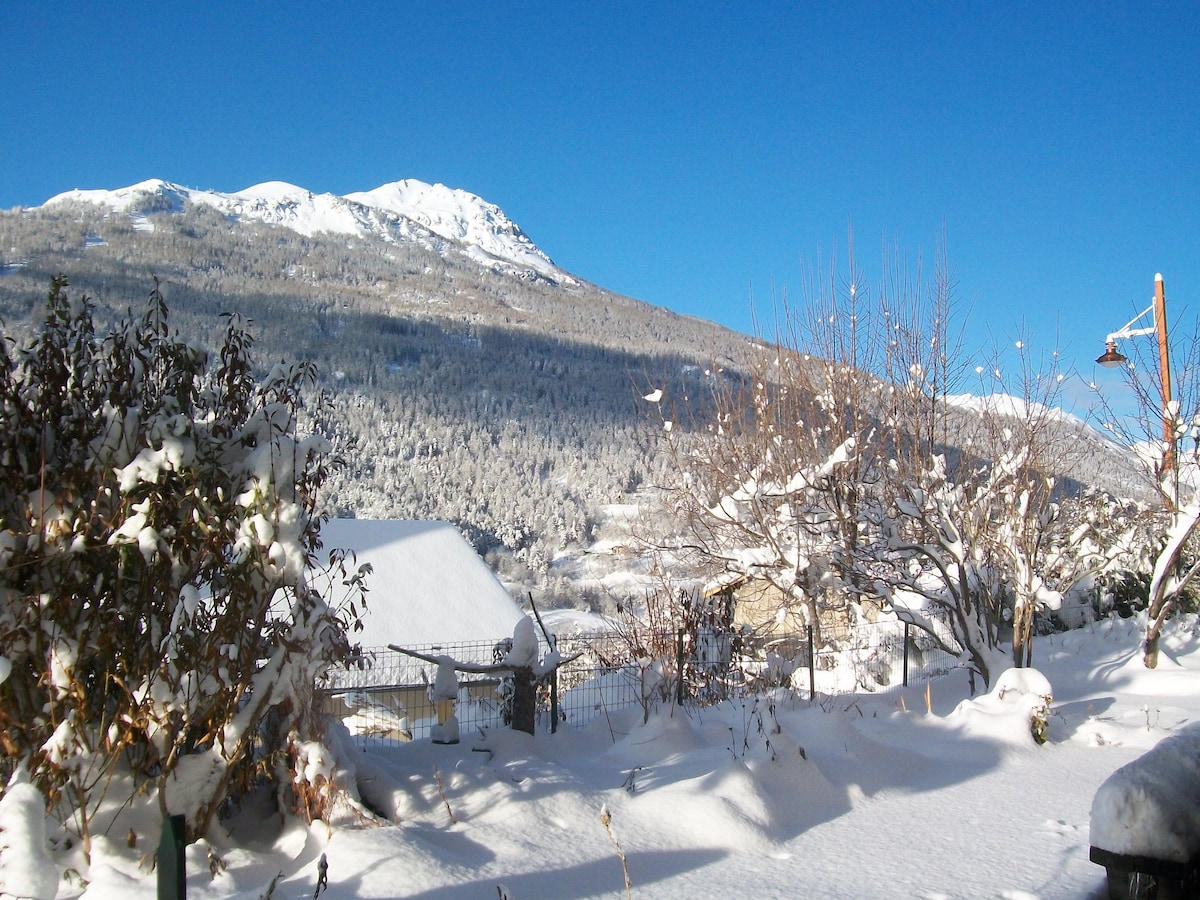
[{"x": 407, "y": 210}]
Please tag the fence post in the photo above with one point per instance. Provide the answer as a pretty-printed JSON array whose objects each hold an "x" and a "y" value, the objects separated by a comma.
[
  {"x": 906, "y": 654},
  {"x": 812, "y": 666},
  {"x": 554, "y": 700},
  {"x": 172, "y": 876},
  {"x": 679, "y": 667}
]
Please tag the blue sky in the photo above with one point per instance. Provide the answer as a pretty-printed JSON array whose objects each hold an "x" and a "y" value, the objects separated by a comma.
[{"x": 682, "y": 154}]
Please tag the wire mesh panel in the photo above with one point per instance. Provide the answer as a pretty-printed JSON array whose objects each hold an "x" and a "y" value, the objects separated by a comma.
[
  {"x": 385, "y": 696},
  {"x": 603, "y": 677},
  {"x": 876, "y": 657}
]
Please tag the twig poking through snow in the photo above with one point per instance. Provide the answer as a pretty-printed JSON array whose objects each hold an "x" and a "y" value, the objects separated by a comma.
[
  {"x": 322, "y": 875},
  {"x": 606, "y": 821},
  {"x": 437, "y": 776},
  {"x": 630, "y": 783}
]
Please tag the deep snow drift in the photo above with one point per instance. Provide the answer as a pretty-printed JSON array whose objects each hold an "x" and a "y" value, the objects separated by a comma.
[{"x": 853, "y": 796}]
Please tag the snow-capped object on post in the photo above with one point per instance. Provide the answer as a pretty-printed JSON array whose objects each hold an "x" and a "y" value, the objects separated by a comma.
[
  {"x": 444, "y": 693},
  {"x": 524, "y": 652}
]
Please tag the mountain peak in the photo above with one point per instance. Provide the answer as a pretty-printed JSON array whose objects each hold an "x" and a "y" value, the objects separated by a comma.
[
  {"x": 406, "y": 210},
  {"x": 274, "y": 191},
  {"x": 457, "y": 215},
  {"x": 121, "y": 199}
]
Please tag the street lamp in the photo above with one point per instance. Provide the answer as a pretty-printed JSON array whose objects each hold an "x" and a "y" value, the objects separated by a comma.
[{"x": 1112, "y": 359}]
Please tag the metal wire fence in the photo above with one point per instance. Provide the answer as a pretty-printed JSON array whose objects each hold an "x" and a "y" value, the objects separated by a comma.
[
  {"x": 385, "y": 697},
  {"x": 882, "y": 656}
]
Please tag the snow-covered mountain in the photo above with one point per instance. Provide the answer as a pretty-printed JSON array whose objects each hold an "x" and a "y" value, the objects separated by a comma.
[
  {"x": 408, "y": 210},
  {"x": 1006, "y": 405},
  {"x": 1116, "y": 468}
]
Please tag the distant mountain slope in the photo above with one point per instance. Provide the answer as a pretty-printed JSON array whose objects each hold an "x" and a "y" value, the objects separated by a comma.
[
  {"x": 1104, "y": 463},
  {"x": 474, "y": 382}
]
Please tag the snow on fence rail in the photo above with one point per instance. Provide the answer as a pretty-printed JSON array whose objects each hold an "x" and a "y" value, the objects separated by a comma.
[{"x": 384, "y": 698}]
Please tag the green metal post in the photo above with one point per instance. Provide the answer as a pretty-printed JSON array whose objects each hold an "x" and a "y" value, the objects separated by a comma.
[{"x": 172, "y": 873}]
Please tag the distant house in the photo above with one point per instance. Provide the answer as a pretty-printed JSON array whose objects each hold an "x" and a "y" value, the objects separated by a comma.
[
  {"x": 757, "y": 607},
  {"x": 428, "y": 590},
  {"x": 428, "y": 585}
]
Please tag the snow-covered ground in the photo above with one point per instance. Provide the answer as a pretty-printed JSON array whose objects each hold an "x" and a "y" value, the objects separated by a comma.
[{"x": 855, "y": 796}]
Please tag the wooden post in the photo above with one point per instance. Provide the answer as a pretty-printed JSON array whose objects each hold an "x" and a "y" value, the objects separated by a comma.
[
  {"x": 1164, "y": 370},
  {"x": 906, "y": 654},
  {"x": 524, "y": 704},
  {"x": 172, "y": 872}
]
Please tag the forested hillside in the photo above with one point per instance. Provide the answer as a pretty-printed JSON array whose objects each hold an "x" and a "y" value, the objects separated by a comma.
[{"x": 502, "y": 400}]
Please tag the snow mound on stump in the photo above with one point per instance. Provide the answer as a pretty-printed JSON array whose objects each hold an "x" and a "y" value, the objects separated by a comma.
[{"x": 1151, "y": 806}]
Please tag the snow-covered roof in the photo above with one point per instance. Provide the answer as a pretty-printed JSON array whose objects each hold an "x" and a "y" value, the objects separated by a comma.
[{"x": 428, "y": 586}]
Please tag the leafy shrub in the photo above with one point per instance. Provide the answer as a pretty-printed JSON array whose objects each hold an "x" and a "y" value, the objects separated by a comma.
[{"x": 156, "y": 527}]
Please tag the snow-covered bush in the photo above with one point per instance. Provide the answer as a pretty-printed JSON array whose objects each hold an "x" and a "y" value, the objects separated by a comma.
[
  {"x": 156, "y": 522},
  {"x": 1017, "y": 707}
]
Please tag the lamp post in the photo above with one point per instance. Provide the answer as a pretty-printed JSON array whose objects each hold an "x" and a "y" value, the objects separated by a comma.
[{"x": 1112, "y": 359}]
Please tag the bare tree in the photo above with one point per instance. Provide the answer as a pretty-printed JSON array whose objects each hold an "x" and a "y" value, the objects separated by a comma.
[
  {"x": 1008, "y": 532},
  {"x": 782, "y": 469},
  {"x": 839, "y": 466}
]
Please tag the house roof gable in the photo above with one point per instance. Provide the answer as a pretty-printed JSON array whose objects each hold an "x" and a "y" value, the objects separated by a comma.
[{"x": 428, "y": 585}]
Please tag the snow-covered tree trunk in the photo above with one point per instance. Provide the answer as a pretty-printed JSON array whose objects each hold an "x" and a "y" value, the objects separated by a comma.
[{"x": 1170, "y": 577}]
